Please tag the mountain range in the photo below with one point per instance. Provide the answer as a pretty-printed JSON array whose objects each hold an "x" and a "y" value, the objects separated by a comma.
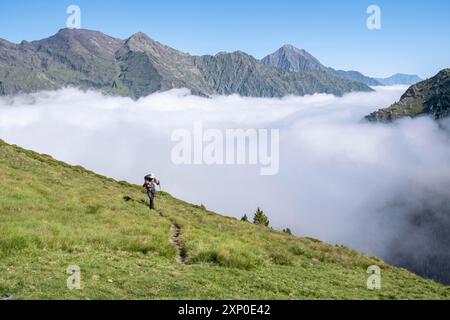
[
  {"x": 290, "y": 58},
  {"x": 139, "y": 66},
  {"x": 430, "y": 97}
]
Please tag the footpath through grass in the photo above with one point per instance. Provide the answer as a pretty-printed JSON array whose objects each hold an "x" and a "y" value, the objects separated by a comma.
[{"x": 53, "y": 215}]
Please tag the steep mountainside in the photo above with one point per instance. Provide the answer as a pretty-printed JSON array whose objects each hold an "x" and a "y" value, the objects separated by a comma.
[
  {"x": 399, "y": 78},
  {"x": 53, "y": 215},
  {"x": 290, "y": 58},
  {"x": 430, "y": 97},
  {"x": 147, "y": 66},
  {"x": 85, "y": 59},
  {"x": 241, "y": 73},
  {"x": 140, "y": 66}
]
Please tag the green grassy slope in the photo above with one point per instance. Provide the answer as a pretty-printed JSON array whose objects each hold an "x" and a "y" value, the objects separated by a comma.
[{"x": 53, "y": 215}]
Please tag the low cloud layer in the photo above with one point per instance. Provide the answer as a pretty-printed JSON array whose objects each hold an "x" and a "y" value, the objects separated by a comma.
[{"x": 382, "y": 189}]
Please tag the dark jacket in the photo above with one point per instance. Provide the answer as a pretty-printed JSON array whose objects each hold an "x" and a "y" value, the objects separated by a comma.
[{"x": 150, "y": 185}]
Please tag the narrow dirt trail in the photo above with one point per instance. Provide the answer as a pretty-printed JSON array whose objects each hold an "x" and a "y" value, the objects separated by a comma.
[
  {"x": 175, "y": 231},
  {"x": 176, "y": 235},
  {"x": 176, "y": 238}
]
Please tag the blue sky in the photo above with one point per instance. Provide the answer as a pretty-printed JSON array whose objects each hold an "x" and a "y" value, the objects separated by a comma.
[{"x": 414, "y": 37}]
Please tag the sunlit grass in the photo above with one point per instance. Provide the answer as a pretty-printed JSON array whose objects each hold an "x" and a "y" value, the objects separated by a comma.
[{"x": 53, "y": 215}]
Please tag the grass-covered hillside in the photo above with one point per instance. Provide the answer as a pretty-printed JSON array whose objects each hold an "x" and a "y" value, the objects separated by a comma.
[
  {"x": 53, "y": 215},
  {"x": 426, "y": 98}
]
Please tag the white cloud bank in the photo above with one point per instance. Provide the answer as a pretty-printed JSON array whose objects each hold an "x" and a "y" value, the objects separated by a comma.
[{"x": 340, "y": 179}]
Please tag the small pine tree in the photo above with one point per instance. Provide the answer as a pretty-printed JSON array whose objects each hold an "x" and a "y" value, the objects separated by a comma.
[
  {"x": 288, "y": 231},
  {"x": 261, "y": 218},
  {"x": 244, "y": 218}
]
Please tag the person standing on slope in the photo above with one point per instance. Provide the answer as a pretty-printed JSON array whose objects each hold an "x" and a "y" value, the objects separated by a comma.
[{"x": 150, "y": 184}]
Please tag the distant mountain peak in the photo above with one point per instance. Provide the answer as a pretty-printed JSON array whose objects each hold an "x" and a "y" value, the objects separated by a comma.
[
  {"x": 141, "y": 37},
  {"x": 289, "y": 47},
  {"x": 84, "y": 36},
  {"x": 141, "y": 42},
  {"x": 242, "y": 54},
  {"x": 63, "y": 31},
  {"x": 65, "y": 35},
  {"x": 81, "y": 41},
  {"x": 293, "y": 59},
  {"x": 71, "y": 32}
]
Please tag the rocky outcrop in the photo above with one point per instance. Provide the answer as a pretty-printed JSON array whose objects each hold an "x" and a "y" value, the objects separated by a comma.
[{"x": 430, "y": 97}]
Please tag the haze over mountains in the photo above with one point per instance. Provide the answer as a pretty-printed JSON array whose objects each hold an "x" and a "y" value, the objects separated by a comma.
[
  {"x": 139, "y": 66},
  {"x": 399, "y": 78}
]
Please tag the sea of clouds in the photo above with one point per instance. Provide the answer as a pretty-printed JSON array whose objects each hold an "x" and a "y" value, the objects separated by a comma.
[{"x": 383, "y": 189}]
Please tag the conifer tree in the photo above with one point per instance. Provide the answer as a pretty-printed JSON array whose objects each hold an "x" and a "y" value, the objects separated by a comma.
[{"x": 261, "y": 218}]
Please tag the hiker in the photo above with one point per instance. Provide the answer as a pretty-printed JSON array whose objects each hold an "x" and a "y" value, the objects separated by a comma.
[{"x": 150, "y": 184}]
